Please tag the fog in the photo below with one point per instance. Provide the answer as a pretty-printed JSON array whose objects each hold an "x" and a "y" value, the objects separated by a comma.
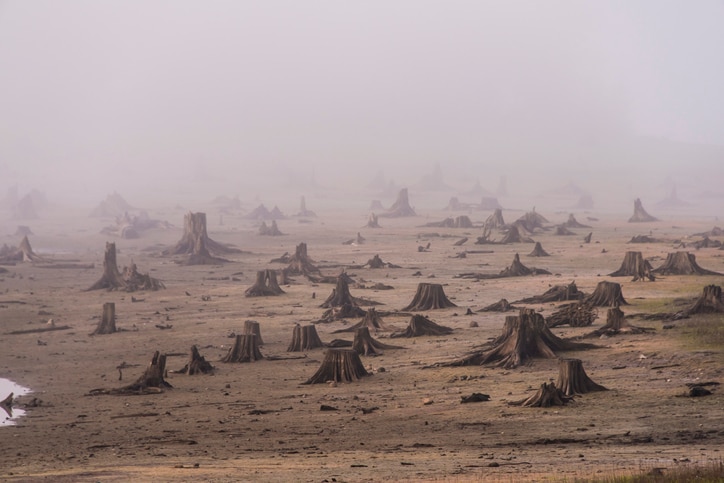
[{"x": 177, "y": 101}]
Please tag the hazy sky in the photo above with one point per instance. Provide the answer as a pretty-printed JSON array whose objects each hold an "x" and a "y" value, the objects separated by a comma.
[{"x": 122, "y": 88}]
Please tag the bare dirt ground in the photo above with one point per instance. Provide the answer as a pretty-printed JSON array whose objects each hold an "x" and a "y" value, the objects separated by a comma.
[{"x": 258, "y": 422}]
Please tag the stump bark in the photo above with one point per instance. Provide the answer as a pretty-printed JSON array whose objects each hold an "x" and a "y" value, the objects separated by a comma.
[
  {"x": 634, "y": 265},
  {"x": 195, "y": 243},
  {"x": 616, "y": 323},
  {"x": 547, "y": 395},
  {"x": 245, "y": 349},
  {"x": 339, "y": 365},
  {"x": 304, "y": 338},
  {"x": 607, "y": 294},
  {"x": 265, "y": 285},
  {"x": 107, "y": 324},
  {"x": 251, "y": 327},
  {"x": 514, "y": 236},
  {"x": 682, "y": 263},
  {"x": 640, "y": 215},
  {"x": 401, "y": 207},
  {"x": 420, "y": 325},
  {"x": 301, "y": 264},
  {"x": 197, "y": 364},
  {"x": 710, "y": 302},
  {"x": 517, "y": 269},
  {"x": 365, "y": 345},
  {"x": 538, "y": 251},
  {"x": 429, "y": 296},
  {"x": 572, "y": 378},
  {"x": 111, "y": 278},
  {"x": 578, "y": 314}
]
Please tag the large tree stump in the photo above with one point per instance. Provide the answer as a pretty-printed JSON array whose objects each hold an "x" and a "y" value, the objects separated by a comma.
[
  {"x": 420, "y": 325},
  {"x": 195, "y": 243},
  {"x": 573, "y": 223},
  {"x": 640, "y": 215},
  {"x": 25, "y": 252},
  {"x": 245, "y": 349},
  {"x": 107, "y": 324},
  {"x": 304, "y": 338},
  {"x": 151, "y": 382},
  {"x": 371, "y": 320},
  {"x": 532, "y": 220},
  {"x": 111, "y": 278},
  {"x": 365, "y": 345},
  {"x": 607, "y": 294},
  {"x": 401, "y": 207},
  {"x": 273, "y": 230},
  {"x": 495, "y": 221},
  {"x": 301, "y": 264},
  {"x": 578, "y": 314},
  {"x": 616, "y": 323},
  {"x": 548, "y": 395},
  {"x": 572, "y": 379},
  {"x": 682, "y": 263},
  {"x": 517, "y": 269},
  {"x": 557, "y": 293},
  {"x": 429, "y": 296},
  {"x": 372, "y": 221},
  {"x": 635, "y": 266},
  {"x": 524, "y": 337},
  {"x": 265, "y": 285},
  {"x": 710, "y": 302},
  {"x": 538, "y": 251},
  {"x": 251, "y": 327},
  {"x": 197, "y": 364},
  {"x": 139, "y": 281},
  {"x": 339, "y": 365},
  {"x": 514, "y": 236}
]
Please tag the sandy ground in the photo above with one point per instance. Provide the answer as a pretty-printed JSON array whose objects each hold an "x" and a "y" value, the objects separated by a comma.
[{"x": 258, "y": 422}]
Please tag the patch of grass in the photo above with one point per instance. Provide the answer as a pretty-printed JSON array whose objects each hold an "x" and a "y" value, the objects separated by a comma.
[
  {"x": 703, "y": 331},
  {"x": 712, "y": 472}
]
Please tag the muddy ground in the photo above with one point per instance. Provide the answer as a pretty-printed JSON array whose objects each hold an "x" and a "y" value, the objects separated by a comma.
[{"x": 258, "y": 422}]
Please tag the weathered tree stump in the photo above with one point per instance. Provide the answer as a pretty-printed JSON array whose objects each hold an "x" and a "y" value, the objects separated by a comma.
[
  {"x": 139, "y": 281},
  {"x": 587, "y": 238},
  {"x": 501, "y": 305},
  {"x": 420, "y": 325},
  {"x": 358, "y": 240},
  {"x": 578, "y": 314},
  {"x": 532, "y": 220},
  {"x": 303, "y": 211},
  {"x": 562, "y": 230},
  {"x": 640, "y": 215},
  {"x": 25, "y": 252},
  {"x": 517, "y": 269},
  {"x": 401, "y": 207},
  {"x": 371, "y": 320},
  {"x": 495, "y": 221},
  {"x": 607, "y": 294},
  {"x": 339, "y": 365},
  {"x": 365, "y": 345},
  {"x": 538, "y": 251},
  {"x": 111, "y": 278},
  {"x": 514, "y": 236},
  {"x": 616, "y": 323},
  {"x": 195, "y": 243},
  {"x": 682, "y": 263},
  {"x": 301, "y": 264},
  {"x": 151, "y": 382},
  {"x": 573, "y": 223},
  {"x": 197, "y": 364},
  {"x": 304, "y": 338},
  {"x": 251, "y": 327},
  {"x": 273, "y": 230},
  {"x": 429, "y": 296},
  {"x": 265, "y": 285},
  {"x": 634, "y": 265},
  {"x": 372, "y": 222},
  {"x": 557, "y": 293},
  {"x": 7, "y": 404},
  {"x": 245, "y": 349},
  {"x": 572, "y": 379},
  {"x": 710, "y": 302},
  {"x": 548, "y": 395},
  {"x": 107, "y": 324}
]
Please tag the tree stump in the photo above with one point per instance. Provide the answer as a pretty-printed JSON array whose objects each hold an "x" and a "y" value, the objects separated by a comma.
[
  {"x": 303, "y": 211},
  {"x": 573, "y": 223},
  {"x": 340, "y": 295},
  {"x": 635, "y": 266},
  {"x": 710, "y": 302},
  {"x": 372, "y": 221},
  {"x": 401, "y": 207},
  {"x": 245, "y": 349},
  {"x": 587, "y": 238},
  {"x": 578, "y": 314},
  {"x": 607, "y": 294},
  {"x": 301, "y": 264},
  {"x": 495, "y": 221},
  {"x": 375, "y": 262},
  {"x": 640, "y": 215},
  {"x": 371, "y": 320},
  {"x": 339, "y": 365},
  {"x": 572, "y": 379},
  {"x": 538, "y": 251},
  {"x": 197, "y": 364},
  {"x": 365, "y": 345},
  {"x": 682, "y": 263},
  {"x": 151, "y": 382},
  {"x": 107, "y": 324},
  {"x": 26, "y": 253},
  {"x": 557, "y": 293},
  {"x": 272, "y": 230},
  {"x": 429, "y": 296},
  {"x": 616, "y": 323},
  {"x": 251, "y": 327},
  {"x": 501, "y": 305},
  {"x": 139, "y": 281},
  {"x": 111, "y": 278},
  {"x": 265, "y": 285},
  {"x": 195, "y": 243},
  {"x": 420, "y": 325},
  {"x": 514, "y": 236},
  {"x": 532, "y": 220},
  {"x": 562, "y": 230},
  {"x": 304, "y": 338},
  {"x": 548, "y": 395},
  {"x": 517, "y": 269}
]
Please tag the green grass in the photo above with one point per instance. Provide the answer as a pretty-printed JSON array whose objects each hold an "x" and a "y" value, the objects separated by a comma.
[
  {"x": 703, "y": 331},
  {"x": 712, "y": 472}
]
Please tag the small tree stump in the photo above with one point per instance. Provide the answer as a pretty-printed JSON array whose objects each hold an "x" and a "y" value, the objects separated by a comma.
[
  {"x": 107, "y": 324},
  {"x": 635, "y": 266},
  {"x": 616, "y": 323},
  {"x": 501, "y": 305},
  {"x": 339, "y": 365},
  {"x": 401, "y": 207},
  {"x": 640, "y": 215},
  {"x": 538, "y": 251},
  {"x": 514, "y": 236},
  {"x": 557, "y": 293},
  {"x": 151, "y": 382},
  {"x": 301, "y": 264},
  {"x": 548, "y": 395},
  {"x": 111, "y": 278},
  {"x": 304, "y": 338},
  {"x": 251, "y": 327},
  {"x": 365, "y": 345},
  {"x": 197, "y": 364},
  {"x": 372, "y": 222},
  {"x": 245, "y": 349},
  {"x": 572, "y": 379},
  {"x": 607, "y": 294},
  {"x": 420, "y": 325},
  {"x": 429, "y": 296},
  {"x": 371, "y": 320},
  {"x": 266, "y": 285},
  {"x": 710, "y": 302}
]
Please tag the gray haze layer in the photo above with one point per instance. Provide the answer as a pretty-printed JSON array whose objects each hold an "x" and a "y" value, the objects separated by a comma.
[{"x": 173, "y": 99}]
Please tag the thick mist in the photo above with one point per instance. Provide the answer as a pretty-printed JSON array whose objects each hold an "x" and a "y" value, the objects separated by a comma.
[{"x": 178, "y": 101}]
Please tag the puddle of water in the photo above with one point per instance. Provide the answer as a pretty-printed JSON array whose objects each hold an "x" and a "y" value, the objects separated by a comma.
[{"x": 9, "y": 416}]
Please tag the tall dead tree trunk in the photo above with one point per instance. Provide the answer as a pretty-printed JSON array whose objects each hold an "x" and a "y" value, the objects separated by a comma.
[
  {"x": 365, "y": 345},
  {"x": 420, "y": 325},
  {"x": 607, "y": 294},
  {"x": 640, "y": 215},
  {"x": 107, "y": 324},
  {"x": 245, "y": 349},
  {"x": 682, "y": 263},
  {"x": 401, "y": 207},
  {"x": 339, "y": 365},
  {"x": 547, "y": 395},
  {"x": 197, "y": 364},
  {"x": 572, "y": 379},
  {"x": 429, "y": 296},
  {"x": 304, "y": 338},
  {"x": 634, "y": 265},
  {"x": 265, "y": 285},
  {"x": 710, "y": 302},
  {"x": 111, "y": 278}
]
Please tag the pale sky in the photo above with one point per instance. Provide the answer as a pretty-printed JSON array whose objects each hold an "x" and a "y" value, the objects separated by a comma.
[{"x": 135, "y": 88}]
